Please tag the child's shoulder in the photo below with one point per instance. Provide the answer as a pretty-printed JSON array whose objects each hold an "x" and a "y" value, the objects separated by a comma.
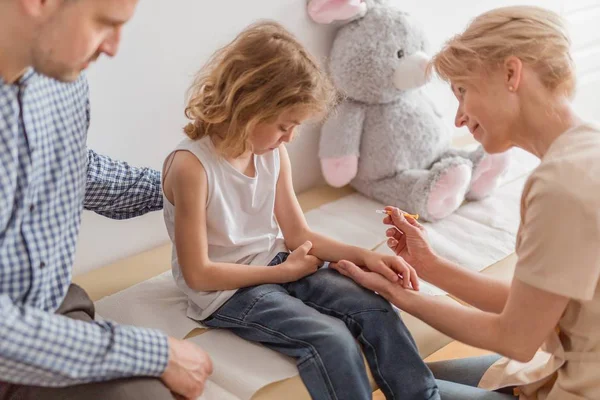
[
  {"x": 183, "y": 167},
  {"x": 183, "y": 173}
]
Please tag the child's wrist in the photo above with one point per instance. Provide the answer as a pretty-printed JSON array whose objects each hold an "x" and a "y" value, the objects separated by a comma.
[
  {"x": 278, "y": 273},
  {"x": 361, "y": 256}
]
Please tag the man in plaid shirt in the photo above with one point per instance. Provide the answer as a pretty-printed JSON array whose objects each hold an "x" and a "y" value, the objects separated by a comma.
[{"x": 50, "y": 346}]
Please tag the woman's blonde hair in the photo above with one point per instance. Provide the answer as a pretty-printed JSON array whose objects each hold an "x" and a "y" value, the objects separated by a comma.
[
  {"x": 261, "y": 73},
  {"x": 538, "y": 37}
]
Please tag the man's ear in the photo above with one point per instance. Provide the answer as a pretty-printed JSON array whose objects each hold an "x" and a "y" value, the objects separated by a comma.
[{"x": 40, "y": 8}]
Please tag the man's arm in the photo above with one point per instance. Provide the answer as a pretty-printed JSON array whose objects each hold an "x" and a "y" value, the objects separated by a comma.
[
  {"x": 117, "y": 190},
  {"x": 43, "y": 349}
]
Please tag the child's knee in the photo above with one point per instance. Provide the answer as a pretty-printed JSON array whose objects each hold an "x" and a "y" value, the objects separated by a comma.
[
  {"x": 339, "y": 345},
  {"x": 328, "y": 334},
  {"x": 367, "y": 300}
]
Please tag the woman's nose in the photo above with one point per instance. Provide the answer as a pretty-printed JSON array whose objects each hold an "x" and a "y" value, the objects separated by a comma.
[{"x": 461, "y": 118}]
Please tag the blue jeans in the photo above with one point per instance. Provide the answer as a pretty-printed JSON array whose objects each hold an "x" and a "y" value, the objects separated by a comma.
[
  {"x": 317, "y": 320},
  {"x": 458, "y": 379}
]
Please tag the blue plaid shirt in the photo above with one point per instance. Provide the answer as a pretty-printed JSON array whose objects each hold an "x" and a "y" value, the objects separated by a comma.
[{"x": 47, "y": 177}]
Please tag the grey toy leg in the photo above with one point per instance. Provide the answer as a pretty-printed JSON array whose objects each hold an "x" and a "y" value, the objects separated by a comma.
[
  {"x": 475, "y": 156},
  {"x": 433, "y": 194},
  {"x": 488, "y": 170}
]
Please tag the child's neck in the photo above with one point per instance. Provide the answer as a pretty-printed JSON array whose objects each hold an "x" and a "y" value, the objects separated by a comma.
[{"x": 244, "y": 163}]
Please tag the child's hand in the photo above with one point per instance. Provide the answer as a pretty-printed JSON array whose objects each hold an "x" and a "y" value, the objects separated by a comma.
[
  {"x": 394, "y": 268},
  {"x": 299, "y": 264}
]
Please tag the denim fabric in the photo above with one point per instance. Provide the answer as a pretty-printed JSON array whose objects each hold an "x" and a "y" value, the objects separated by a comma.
[
  {"x": 458, "y": 379},
  {"x": 320, "y": 321}
]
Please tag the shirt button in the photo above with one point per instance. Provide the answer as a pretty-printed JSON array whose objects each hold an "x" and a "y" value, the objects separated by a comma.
[
  {"x": 42, "y": 264},
  {"x": 31, "y": 208}
]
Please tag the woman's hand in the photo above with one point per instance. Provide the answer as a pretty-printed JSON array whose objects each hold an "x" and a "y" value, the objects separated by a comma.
[
  {"x": 395, "y": 269},
  {"x": 408, "y": 239},
  {"x": 391, "y": 291}
]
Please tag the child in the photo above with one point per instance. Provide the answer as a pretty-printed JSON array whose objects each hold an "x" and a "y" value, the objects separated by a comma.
[{"x": 232, "y": 215}]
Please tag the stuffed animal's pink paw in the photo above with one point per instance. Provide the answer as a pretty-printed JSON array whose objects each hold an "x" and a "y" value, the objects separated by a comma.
[
  {"x": 449, "y": 191},
  {"x": 487, "y": 174},
  {"x": 339, "y": 171}
]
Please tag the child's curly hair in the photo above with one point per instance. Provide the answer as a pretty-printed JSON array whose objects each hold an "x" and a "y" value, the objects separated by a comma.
[{"x": 261, "y": 73}]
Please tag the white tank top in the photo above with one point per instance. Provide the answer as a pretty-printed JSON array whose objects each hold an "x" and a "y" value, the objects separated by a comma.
[{"x": 240, "y": 219}]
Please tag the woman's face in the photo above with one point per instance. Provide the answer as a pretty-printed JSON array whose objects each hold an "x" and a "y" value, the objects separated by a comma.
[{"x": 488, "y": 106}]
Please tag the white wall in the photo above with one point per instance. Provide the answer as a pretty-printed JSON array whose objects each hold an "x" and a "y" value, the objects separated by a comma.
[
  {"x": 138, "y": 98},
  {"x": 583, "y": 17}
]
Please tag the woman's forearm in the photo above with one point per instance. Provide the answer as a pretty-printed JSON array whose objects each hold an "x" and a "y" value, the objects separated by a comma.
[
  {"x": 476, "y": 289},
  {"x": 468, "y": 325}
]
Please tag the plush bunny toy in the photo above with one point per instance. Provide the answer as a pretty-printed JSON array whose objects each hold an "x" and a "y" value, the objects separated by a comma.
[{"x": 386, "y": 138}]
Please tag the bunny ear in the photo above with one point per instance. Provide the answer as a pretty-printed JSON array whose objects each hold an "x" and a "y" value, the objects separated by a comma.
[{"x": 327, "y": 11}]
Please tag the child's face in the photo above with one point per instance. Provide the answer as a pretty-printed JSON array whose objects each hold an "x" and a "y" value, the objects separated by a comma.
[{"x": 267, "y": 136}]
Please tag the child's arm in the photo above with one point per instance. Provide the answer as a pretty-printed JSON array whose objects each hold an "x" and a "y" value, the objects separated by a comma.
[
  {"x": 186, "y": 187},
  {"x": 296, "y": 231}
]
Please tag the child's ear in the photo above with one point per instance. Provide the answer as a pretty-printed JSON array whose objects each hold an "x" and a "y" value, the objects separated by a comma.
[{"x": 328, "y": 11}]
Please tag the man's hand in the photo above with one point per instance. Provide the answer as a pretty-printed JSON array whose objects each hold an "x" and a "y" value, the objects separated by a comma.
[{"x": 188, "y": 368}]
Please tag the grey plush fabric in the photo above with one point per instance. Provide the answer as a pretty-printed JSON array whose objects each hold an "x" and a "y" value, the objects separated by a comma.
[{"x": 402, "y": 144}]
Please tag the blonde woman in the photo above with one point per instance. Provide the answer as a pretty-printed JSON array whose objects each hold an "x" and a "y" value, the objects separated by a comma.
[
  {"x": 513, "y": 76},
  {"x": 232, "y": 214}
]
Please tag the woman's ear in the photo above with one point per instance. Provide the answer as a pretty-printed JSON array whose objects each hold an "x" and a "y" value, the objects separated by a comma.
[{"x": 513, "y": 69}]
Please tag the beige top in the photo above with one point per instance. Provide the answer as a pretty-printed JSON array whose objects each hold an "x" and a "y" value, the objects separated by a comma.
[{"x": 558, "y": 249}]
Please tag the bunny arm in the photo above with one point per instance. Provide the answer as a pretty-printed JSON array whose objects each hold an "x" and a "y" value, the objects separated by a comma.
[{"x": 340, "y": 143}]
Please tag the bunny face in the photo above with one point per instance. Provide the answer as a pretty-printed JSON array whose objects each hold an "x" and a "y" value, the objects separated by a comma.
[{"x": 376, "y": 58}]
